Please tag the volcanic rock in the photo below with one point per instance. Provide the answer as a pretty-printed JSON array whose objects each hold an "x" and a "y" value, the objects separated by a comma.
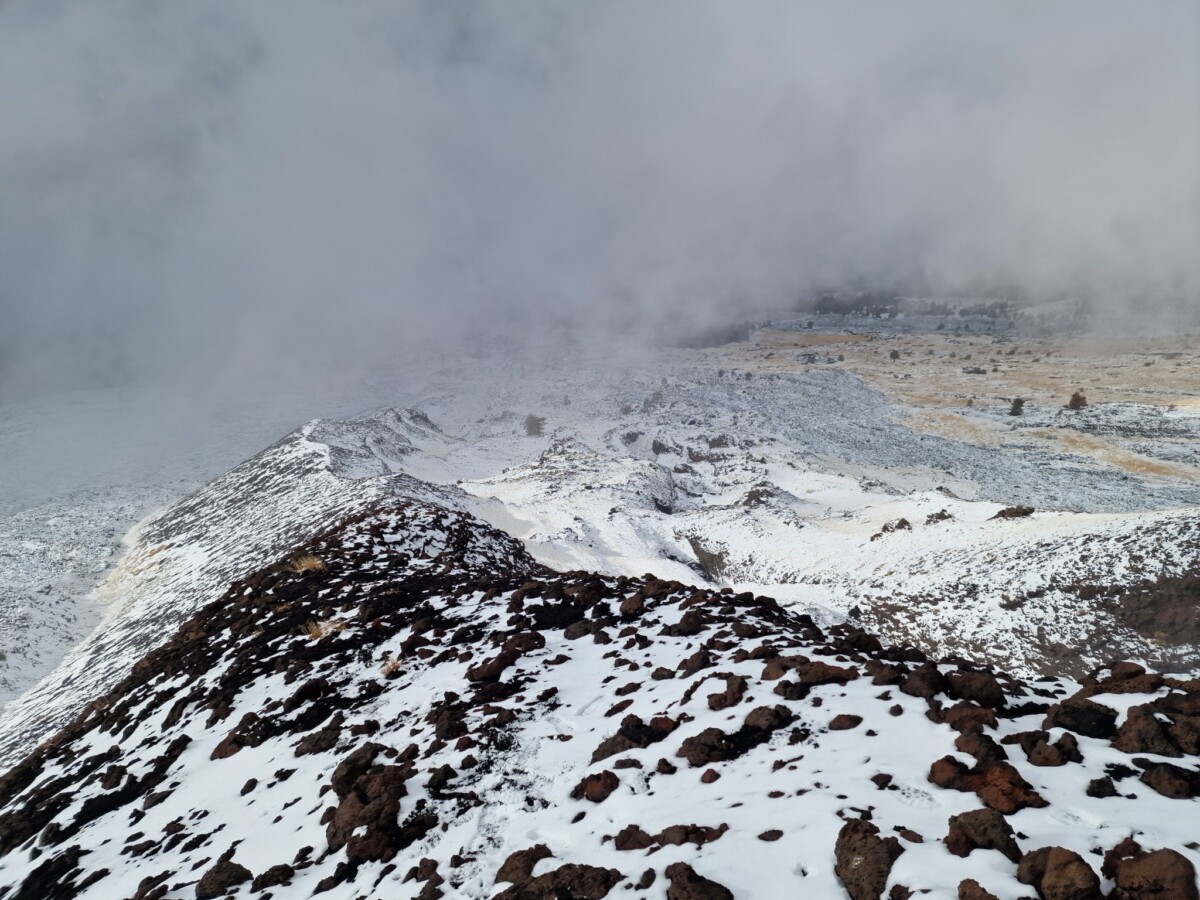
[
  {"x": 688, "y": 884},
  {"x": 863, "y": 860},
  {"x": 1059, "y": 874},
  {"x": 981, "y": 829}
]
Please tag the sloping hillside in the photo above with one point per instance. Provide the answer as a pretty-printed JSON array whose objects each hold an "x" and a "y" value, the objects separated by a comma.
[{"x": 409, "y": 706}]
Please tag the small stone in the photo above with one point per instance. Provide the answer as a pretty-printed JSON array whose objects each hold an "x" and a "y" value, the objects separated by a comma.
[
  {"x": 688, "y": 884},
  {"x": 845, "y": 722}
]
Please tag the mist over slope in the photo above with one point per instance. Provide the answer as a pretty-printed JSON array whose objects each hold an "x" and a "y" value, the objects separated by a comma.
[{"x": 268, "y": 191}]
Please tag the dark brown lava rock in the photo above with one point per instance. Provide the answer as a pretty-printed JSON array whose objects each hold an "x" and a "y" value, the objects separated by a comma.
[
  {"x": 217, "y": 881},
  {"x": 1059, "y": 874},
  {"x": 981, "y": 829},
  {"x": 688, "y": 884},
  {"x": 863, "y": 859}
]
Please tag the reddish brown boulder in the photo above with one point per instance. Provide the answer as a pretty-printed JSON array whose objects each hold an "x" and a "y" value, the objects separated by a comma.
[
  {"x": 690, "y": 665},
  {"x": 710, "y": 745},
  {"x": 1125, "y": 849},
  {"x": 845, "y": 722},
  {"x": 779, "y": 666},
  {"x": 365, "y": 819},
  {"x": 1184, "y": 731},
  {"x": 1002, "y": 788},
  {"x": 979, "y": 687},
  {"x": 762, "y": 720},
  {"x": 677, "y": 835},
  {"x": 491, "y": 669},
  {"x": 518, "y": 868},
  {"x": 1172, "y": 781},
  {"x": 863, "y": 860},
  {"x": 714, "y": 745},
  {"x": 514, "y": 648},
  {"x": 440, "y": 777},
  {"x": 1142, "y": 732},
  {"x": 1068, "y": 746},
  {"x": 1122, "y": 678},
  {"x": 948, "y": 772},
  {"x": 217, "y": 881},
  {"x": 1141, "y": 684},
  {"x": 688, "y": 884},
  {"x": 981, "y": 829},
  {"x": 1124, "y": 669},
  {"x": 998, "y": 785},
  {"x": 981, "y": 746},
  {"x": 249, "y": 732},
  {"x": 925, "y": 681},
  {"x": 1043, "y": 754},
  {"x": 525, "y": 642},
  {"x": 1059, "y": 874},
  {"x": 814, "y": 674},
  {"x": 596, "y": 787},
  {"x": 579, "y": 882},
  {"x": 1102, "y": 788},
  {"x": 964, "y": 716},
  {"x": 1158, "y": 875},
  {"x": 633, "y": 837},
  {"x": 634, "y": 734},
  {"x": 426, "y": 871},
  {"x": 1084, "y": 717},
  {"x": 320, "y": 741},
  {"x": 631, "y": 606},
  {"x": 273, "y": 877},
  {"x": 735, "y": 690},
  {"x": 970, "y": 889},
  {"x": 354, "y": 765},
  {"x": 884, "y": 674}
]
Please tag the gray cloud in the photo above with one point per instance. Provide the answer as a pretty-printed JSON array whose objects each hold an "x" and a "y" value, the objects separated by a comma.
[{"x": 266, "y": 187}]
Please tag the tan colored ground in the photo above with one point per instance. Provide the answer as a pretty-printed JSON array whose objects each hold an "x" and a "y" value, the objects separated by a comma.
[
  {"x": 928, "y": 381},
  {"x": 1110, "y": 452}
]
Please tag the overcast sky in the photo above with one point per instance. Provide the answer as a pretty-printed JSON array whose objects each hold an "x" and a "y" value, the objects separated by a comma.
[{"x": 232, "y": 188}]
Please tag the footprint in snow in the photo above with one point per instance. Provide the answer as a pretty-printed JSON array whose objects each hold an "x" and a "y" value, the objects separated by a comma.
[{"x": 916, "y": 798}]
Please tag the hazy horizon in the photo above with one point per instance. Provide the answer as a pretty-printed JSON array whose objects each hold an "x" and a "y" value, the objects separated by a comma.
[{"x": 236, "y": 194}]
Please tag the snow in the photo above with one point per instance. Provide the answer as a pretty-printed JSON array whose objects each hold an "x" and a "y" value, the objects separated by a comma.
[
  {"x": 684, "y": 465},
  {"x": 806, "y": 781},
  {"x": 782, "y": 479}
]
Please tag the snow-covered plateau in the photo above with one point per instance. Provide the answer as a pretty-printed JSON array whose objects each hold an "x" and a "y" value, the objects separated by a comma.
[{"x": 510, "y": 635}]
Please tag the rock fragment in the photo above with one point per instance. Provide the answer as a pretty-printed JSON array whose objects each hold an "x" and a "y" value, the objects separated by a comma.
[
  {"x": 688, "y": 884},
  {"x": 863, "y": 860}
]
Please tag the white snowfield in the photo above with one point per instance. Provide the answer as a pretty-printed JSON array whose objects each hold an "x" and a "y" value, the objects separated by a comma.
[{"x": 788, "y": 484}]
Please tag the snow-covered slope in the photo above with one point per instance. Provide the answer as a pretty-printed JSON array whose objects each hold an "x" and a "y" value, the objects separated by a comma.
[
  {"x": 791, "y": 484},
  {"x": 443, "y": 628},
  {"x": 408, "y": 705},
  {"x": 186, "y": 555},
  {"x": 51, "y": 555}
]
